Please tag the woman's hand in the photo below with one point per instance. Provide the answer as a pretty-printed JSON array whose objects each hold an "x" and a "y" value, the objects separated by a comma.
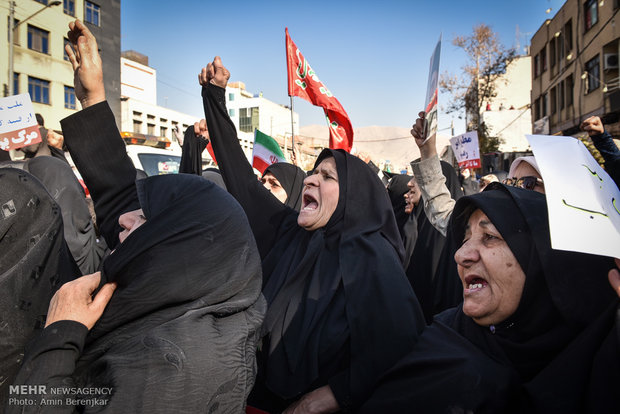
[
  {"x": 419, "y": 131},
  {"x": 321, "y": 400},
  {"x": 86, "y": 62},
  {"x": 214, "y": 73},
  {"x": 614, "y": 278},
  {"x": 74, "y": 301}
]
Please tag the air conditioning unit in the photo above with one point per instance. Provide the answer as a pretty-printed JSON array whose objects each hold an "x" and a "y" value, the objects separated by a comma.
[{"x": 610, "y": 61}]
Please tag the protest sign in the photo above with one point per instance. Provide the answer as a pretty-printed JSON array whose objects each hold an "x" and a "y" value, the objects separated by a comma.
[
  {"x": 18, "y": 125},
  {"x": 466, "y": 150},
  {"x": 430, "y": 103},
  {"x": 583, "y": 200}
]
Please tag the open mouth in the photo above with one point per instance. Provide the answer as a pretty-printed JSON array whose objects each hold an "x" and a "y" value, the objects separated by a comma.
[
  {"x": 475, "y": 284},
  {"x": 309, "y": 203}
]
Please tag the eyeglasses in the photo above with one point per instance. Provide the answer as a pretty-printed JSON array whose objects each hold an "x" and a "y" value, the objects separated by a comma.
[{"x": 529, "y": 182}]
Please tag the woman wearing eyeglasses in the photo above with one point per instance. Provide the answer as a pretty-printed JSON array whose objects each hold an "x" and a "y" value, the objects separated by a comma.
[{"x": 524, "y": 173}]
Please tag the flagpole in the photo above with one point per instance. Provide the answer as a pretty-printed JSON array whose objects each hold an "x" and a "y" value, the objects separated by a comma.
[{"x": 292, "y": 129}]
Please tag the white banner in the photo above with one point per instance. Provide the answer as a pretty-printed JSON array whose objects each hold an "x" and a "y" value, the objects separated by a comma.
[{"x": 583, "y": 200}]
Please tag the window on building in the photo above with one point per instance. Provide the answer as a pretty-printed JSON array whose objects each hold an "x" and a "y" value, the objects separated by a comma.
[
  {"x": 150, "y": 129},
  {"x": 543, "y": 58},
  {"x": 560, "y": 47},
  {"x": 594, "y": 75},
  {"x": 150, "y": 117},
  {"x": 231, "y": 112},
  {"x": 537, "y": 65},
  {"x": 68, "y": 6},
  {"x": 69, "y": 97},
  {"x": 163, "y": 131},
  {"x": 231, "y": 97},
  {"x": 569, "y": 85},
  {"x": 552, "y": 56},
  {"x": 138, "y": 114},
  {"x": 185, "y": 126},
  {"x": 553, "y": 100},
  {"x": 15, "y": 31},
  {"x": 38, "y": 39},
  {"x": 590, "y": 14},
  {"x": 561, "y": 87},
  {"x": 65, "y": 42},
  {"x": 137, "y": 126},
  {"x": 15, "y": 83},
  {"x": 568, "y": 36},
  {"x": 91, "y": 13},
  {"x": 543, "y": 105},
  {"x": 248, "y": 119},
  {"x": 39, "y": 90},
  {"x": 163, "y": 121}
]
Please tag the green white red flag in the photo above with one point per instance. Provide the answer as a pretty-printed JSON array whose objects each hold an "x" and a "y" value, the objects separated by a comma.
[
  {"x": 303, "y": 82},
  {"x": 266, "y": 151}
]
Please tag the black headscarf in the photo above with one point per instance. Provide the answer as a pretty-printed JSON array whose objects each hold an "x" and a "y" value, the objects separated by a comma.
[
  {"x": 407, "y": 223},
  {"x": 292, "y": 179},
  {"x": 34, "y": 262},
  {"x": 565, "y": 295},
  {"x": 186, "y": 312},
  {"x": 338, "y": 294}
]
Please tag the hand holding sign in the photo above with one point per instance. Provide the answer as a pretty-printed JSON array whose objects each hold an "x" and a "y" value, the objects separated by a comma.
[{"x": 427, "y": 145}]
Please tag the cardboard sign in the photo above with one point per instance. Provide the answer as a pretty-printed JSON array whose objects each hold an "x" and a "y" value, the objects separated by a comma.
[
  {"x": 430, "y": 103},
  {"x": 466, "y": 150},
  {"x": 583, "y": 200},
  {"x": 18, "y": 125}
]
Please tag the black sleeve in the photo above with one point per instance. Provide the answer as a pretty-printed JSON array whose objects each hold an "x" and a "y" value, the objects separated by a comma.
[
  {"x": 265, "y": 212},
  {"x": 100, "y": 156},
  {"x": 604, "y": 143},
  {"x": 191, "y": 155},
  {"x": 48, "y": 366}
]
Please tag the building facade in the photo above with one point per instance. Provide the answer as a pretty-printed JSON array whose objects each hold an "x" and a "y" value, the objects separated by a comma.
[
  {"x": 252, "y": 111},
  {"x": 139, "y": 110},
  {"x": 509, "y": 116},
  {"x": 41, "y": 66},
  {"x": 575, "y": 68}
]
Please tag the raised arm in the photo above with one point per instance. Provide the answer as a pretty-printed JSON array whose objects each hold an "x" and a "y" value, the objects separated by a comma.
[
  {"x": 438, "y": 204},
  {"x": 93, "y": 138},
  {"x": 265, "y": 213},
  {"x": 604, "y": 142}
]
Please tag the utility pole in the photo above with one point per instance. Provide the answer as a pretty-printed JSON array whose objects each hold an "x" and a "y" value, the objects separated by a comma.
[{"x": 11, "y": 28}]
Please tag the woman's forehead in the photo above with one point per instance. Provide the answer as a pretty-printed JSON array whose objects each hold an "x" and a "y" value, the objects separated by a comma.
[{"x": 328, "y": 163}]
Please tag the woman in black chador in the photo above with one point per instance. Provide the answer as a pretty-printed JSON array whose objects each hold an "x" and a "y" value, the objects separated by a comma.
[
  {"x": 179, "y": 333},
  {"x": 340, "y": 309},
  {"x": 537, "y": 331}
]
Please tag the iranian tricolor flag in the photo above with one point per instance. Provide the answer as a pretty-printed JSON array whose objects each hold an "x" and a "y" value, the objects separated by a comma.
[{"x": 266, "y": 151}]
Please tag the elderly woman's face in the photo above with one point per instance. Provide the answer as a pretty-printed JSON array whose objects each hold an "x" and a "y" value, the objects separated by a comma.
[
  {"x": 320, "y": 196},
  {"x": 492, "y": 278}
]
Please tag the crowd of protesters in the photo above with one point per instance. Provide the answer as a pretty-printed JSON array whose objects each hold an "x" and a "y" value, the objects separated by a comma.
[{"x": 302, "y": 292}]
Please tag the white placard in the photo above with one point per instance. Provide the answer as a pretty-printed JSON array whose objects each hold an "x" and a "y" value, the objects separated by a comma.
[
  {"x": 583, "y": 200},
  {"x": 466, "y": 149},
  {"x": 18, "y": 125}
]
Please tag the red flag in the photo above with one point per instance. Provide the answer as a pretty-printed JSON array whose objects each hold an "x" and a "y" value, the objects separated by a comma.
[
  {"x": 303, "y": 82},
  {"x": 211, "y": 153}
]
